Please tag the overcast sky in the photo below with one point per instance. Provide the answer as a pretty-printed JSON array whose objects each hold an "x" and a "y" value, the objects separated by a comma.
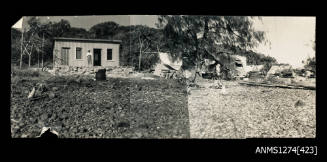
[{"x": 290, "y": 37}]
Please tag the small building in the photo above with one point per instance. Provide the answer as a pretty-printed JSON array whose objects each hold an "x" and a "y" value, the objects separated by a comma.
[{"x": 72, "y": 52}]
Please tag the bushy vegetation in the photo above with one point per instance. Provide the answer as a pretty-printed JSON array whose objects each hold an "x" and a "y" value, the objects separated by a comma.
[
  {"x": 25, "y": 72},
  {"x": 139, "y": 40},
  {"x": 135, "y": 39},
  {"x": 310, "y": 64}
]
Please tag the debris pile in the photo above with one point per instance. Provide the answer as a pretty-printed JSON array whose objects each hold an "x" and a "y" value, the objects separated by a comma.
[{"x": 71, "y": 70}]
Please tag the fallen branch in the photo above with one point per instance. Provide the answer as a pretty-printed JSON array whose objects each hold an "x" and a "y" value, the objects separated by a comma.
[{"x": 15, "y": 121}]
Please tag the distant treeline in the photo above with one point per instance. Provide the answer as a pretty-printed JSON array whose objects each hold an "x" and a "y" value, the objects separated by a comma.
[{"x": 136, "y": 39}]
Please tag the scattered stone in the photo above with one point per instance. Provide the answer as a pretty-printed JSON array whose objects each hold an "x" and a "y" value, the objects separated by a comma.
[
  {"x": 31, "y": 93},
  {"x": 138, "y": 134},
  {"x": 44, "y": 116},
  {"x": 55, "y": 88},
  {"x": 47, "y": 133},
  {"x": 15, "y": 121},
  {"x": 41, "y": 87},
  {"x": 223, "y": 90},
  {"x": 52, "y": 95},
  {"x": 264, "y": 91},
  {"x": 123, "y": 124},
  {"x": 299, "y": 103}
]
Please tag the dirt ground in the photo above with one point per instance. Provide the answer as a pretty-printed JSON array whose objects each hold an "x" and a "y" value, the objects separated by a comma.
[
  {"x": 251, "y": 112},
  {"x": 159, "y": 108},
  {"x": 116, "y": 108}
]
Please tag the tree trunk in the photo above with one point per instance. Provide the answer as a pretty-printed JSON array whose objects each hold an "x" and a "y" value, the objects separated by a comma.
[
  {"x": 42, "y": 50},
  {"x": 29, "y": 57},
  {"x": 38, "y": 60},
  {"x": 140, "y": 57},
  {"x": 206, "y": 29},
  {"x": 21, "y": 50}
]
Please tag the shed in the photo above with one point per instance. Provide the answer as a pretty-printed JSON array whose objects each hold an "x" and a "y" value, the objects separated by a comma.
[{"x": 72, "y": 52}]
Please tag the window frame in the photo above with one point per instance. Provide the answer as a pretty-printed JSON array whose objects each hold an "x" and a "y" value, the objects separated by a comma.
[{"x": 110, "y": 54}]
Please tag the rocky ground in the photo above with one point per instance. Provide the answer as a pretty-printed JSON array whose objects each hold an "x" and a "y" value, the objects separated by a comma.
[
  {"x": 79, "y": 107},
  {"x": 142, "y": 106},
  {"x": 251, "y": 112}
]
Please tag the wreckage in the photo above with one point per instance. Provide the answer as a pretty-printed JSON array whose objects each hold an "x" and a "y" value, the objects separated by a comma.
[
  {"x": 223, "y": 65},
  {"x": 167, "y": 66}
]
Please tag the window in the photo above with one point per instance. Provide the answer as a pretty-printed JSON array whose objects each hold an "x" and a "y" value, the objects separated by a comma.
[
  {"x": 109, "y": 54},
  {"x": 78, "y": 53}
]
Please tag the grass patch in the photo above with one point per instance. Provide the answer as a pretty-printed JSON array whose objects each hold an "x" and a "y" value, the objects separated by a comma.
[{"x": 25, "y": 73}]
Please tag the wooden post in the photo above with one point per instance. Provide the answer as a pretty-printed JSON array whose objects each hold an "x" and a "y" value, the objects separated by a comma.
[{"x": 21, "y": 49}]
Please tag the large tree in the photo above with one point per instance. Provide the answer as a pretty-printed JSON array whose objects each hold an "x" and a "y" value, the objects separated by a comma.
[
  {"x": 195, "y": 37},
  {"x": 146, "y": 41},
  {"x": 139, "y": 45},
  {"x": 31, "y": 41},
  {"x": 15, "y": 45}
]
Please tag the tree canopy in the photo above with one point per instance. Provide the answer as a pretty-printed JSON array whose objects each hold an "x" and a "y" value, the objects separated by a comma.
[{"x": 194, "y": 37}]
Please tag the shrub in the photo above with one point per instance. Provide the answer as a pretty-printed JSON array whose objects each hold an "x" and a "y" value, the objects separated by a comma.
[{"x": 25, "y": 73}]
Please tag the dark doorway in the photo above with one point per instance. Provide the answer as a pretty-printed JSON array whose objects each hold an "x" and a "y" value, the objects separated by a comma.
[{"x": 97, "y": 57}]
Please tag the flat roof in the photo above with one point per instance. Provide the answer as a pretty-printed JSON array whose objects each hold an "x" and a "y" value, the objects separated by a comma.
[{"x": 88, "y": 40}]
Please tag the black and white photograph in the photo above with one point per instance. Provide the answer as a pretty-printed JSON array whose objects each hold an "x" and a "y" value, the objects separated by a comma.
[{"x": 163, "y": 77}]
